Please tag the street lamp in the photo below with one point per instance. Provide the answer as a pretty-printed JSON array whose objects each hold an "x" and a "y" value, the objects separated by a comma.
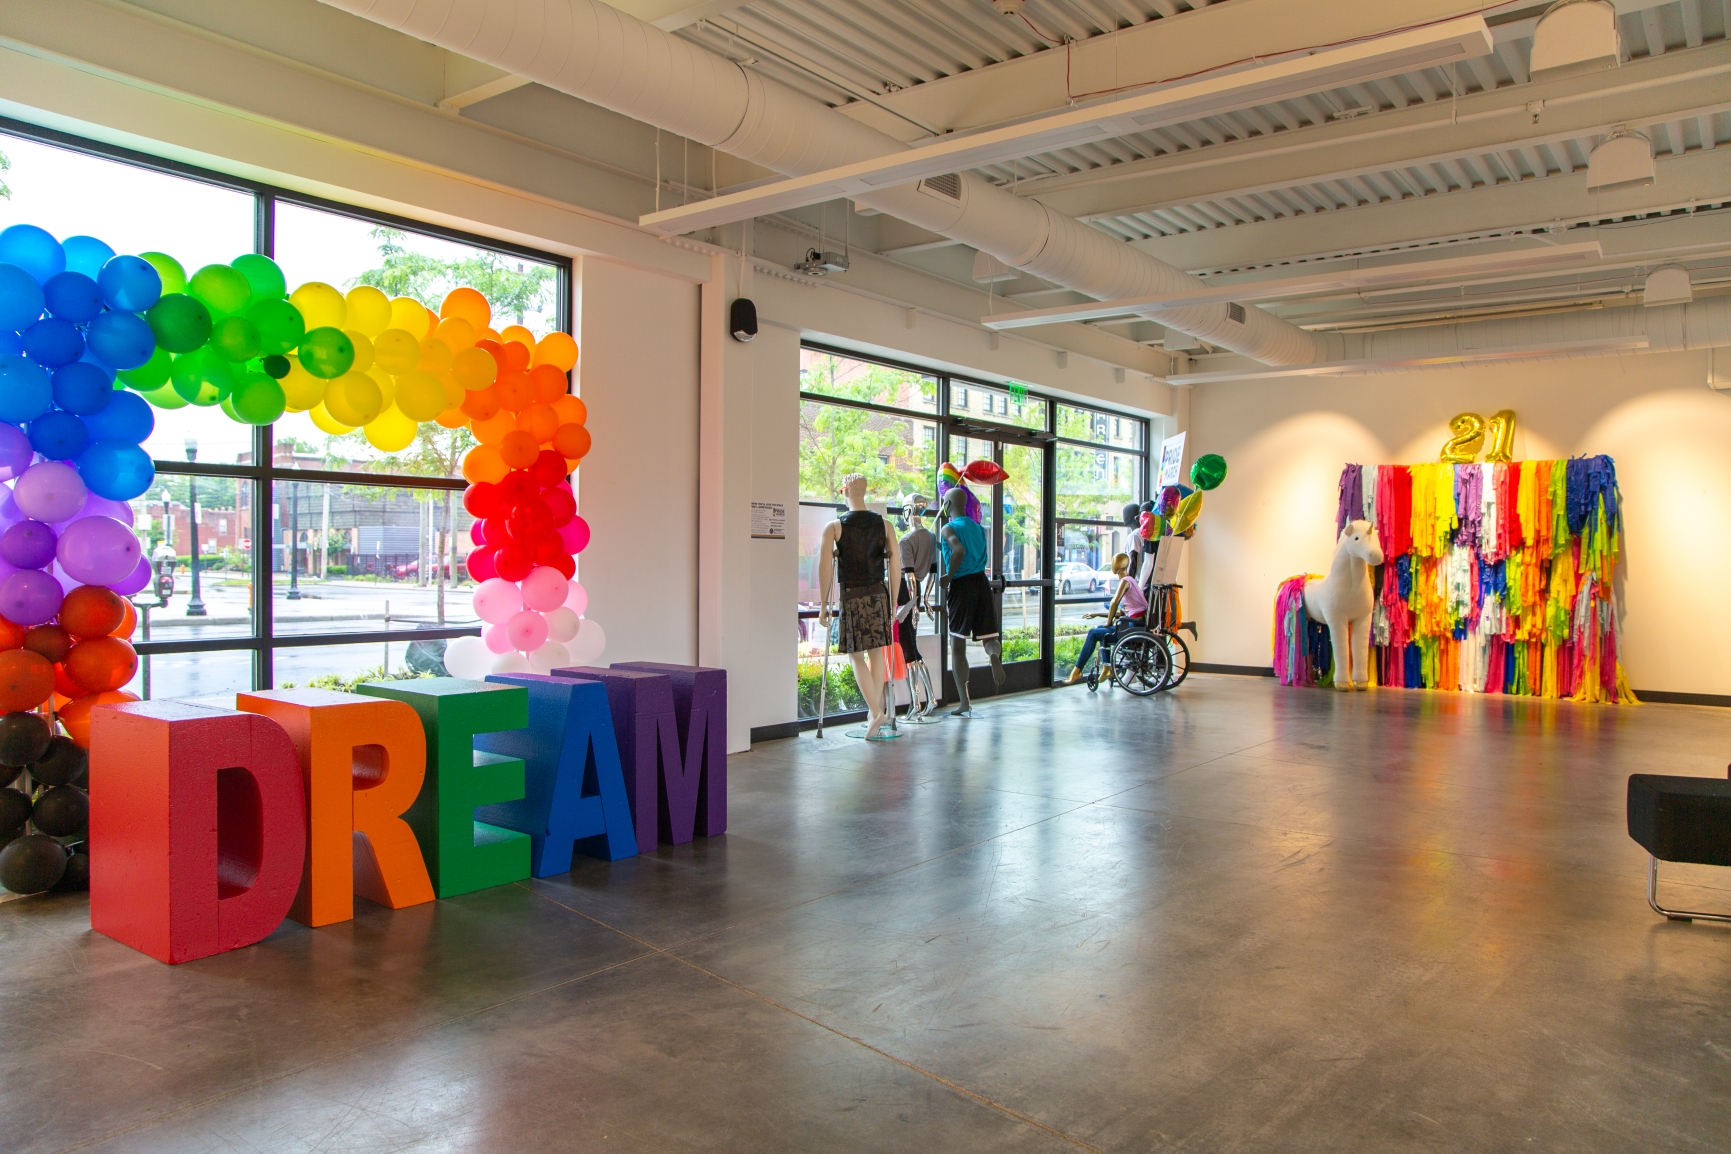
[
  {"x": 294, "y": 589},
  {"x": 194, "y": 607}
]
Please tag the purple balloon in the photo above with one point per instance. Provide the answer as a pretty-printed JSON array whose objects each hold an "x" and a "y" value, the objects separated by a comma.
[
  {"x": 15, "y": 451},
  {"x": 105, "y": 507},
  {"x": 50, "y": 491},
  {"x": 30, "y": 597},
  {"x": 139, "y": 578},
  {"x": 67, "y": 582},
  {"x": 98, "y": 551},
  {"x": 28, "y": 545}
]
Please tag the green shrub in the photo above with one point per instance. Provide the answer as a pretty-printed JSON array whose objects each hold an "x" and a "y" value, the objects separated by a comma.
[
  {"x": 347, "y": 684},
  {"x": 842, "y": 694},
  {"x": 337, "y": 571}
]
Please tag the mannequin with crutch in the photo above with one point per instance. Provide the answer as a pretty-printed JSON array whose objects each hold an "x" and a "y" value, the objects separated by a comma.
[{"x": 860, "y": 551}]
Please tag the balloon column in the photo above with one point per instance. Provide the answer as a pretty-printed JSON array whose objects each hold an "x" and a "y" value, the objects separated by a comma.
[{"x": 90, "y": 341}]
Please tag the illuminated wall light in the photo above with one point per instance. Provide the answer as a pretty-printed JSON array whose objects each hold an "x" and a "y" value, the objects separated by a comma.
[{"x": 1624, "y": 159}]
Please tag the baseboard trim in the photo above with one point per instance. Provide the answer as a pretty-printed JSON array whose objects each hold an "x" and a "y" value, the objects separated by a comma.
[
  {"x": 1234, "y": 670},
  {"x": 1664, "y": 697},
  {"x": 789, "y": 729}
]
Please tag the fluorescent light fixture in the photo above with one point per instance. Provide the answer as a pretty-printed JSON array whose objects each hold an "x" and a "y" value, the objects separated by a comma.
[
  {"x": 1624, "y": 159},
  {"x": 1575, "y": 36},
  {"x": 1464, "y": 357},
  {"x": 1536, "y": 259},
  {"x": 1453, "y": 40},
  {"x": 1667, "y": 285}
]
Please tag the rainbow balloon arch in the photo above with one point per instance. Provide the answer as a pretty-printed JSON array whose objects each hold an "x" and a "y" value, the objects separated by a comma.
[{"x": 92, "y": 341}]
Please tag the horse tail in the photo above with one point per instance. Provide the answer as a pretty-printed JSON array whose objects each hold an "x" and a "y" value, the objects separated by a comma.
[{"x": 1291, "y": 664}]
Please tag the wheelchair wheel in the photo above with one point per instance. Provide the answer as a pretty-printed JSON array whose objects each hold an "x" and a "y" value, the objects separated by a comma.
[
  {"x": 1178, "y": 654},
  {"x": 1141, "y": 664},
  {"x": 1094, "y": 678}
]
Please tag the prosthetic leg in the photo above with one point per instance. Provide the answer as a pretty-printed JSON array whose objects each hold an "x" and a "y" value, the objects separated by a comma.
[{"x": 994, "y": 648}]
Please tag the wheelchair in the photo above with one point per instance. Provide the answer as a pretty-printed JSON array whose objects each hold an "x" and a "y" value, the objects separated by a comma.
[{"x": 1137, "y": 660}]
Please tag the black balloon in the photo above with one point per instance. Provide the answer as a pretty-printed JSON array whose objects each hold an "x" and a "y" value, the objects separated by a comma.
[
  {"x": 14, "y": 812},
  {"x": 62, "y": 764},
  {"x": 77, "y": 875},
  {"x": 23, "y": 738},
  {"x": 62, "y": 811},
  {"x": 32, "y": 864},
  {"x": 9, "y": 774}
]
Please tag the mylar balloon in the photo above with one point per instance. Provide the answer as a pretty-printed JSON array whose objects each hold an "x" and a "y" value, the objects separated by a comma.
[
  {"x": 1208, "y": 471},
  {"x": 1188, "y": 510}
]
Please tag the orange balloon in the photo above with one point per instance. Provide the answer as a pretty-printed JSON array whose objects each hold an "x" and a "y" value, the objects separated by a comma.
[
  {"x": 483, "y": 463},
  {"x": 101, "y": 663},
  {"x": 481, "y": 404},
  {"x": 516, "y": 392},
  {"x": 432, "y": 323},
  {"x": 452, "y": 419},
  {"x": 492, "y": 430},
  {"x": 517, "y": 355},
  {"x": 519, "y": 449},
  {"x": 486, "y": 334},
  {"x": 571, "y": 410},
  {"x": 540, "y": 421},
  {"x": 558, "y": 350},
  {"x": 76, "y": 716},
  {"x": 469, "y": 304},
  {"x": 571, "y": 442},
  {"x": 127, "y": 623},
  {"x": 495, "y": 350},
  {"x": 64, "y": 688},
  {"x": 26, "y": 680},
  {"x": 92, "y": 611},
  {"x": 519, "y": 334},
  {"x": 49, "y": 640},
  {"x": 11, "y": 635},
  {"x": 550, "y": 383}
]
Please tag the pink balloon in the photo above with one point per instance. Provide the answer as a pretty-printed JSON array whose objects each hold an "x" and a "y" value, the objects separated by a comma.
[
  {"x": 527, "y": 631},
  {"x": 496, "y": 600},
  {"x": 496, "y": 638},
  {"x": 544, "y": 589},
  {"x": 137, "y": 580},
  {"x": 98, "y": 550},
  {"x": 575, "y": 535},
  {"x": 477, "y": 535},
  {"x": 577, "y": 599}
]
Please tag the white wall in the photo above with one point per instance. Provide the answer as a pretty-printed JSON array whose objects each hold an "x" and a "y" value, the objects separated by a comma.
[
  {"x": 1285, "y": 443},
  {"x": 769, "y": 674},
  {"x": 637, "y": 488}
]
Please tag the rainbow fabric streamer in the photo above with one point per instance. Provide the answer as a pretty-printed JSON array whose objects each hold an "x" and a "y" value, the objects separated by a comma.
[{"x": 1498, "y": 579}]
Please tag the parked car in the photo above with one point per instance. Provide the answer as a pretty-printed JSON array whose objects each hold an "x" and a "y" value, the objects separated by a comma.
[
  {"x": 1077, "y": 577},
  {"x": 414, "y": 567}
]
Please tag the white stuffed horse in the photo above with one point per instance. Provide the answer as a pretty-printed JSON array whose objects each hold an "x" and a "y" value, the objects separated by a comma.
[{"x": 1345, "y": 598}]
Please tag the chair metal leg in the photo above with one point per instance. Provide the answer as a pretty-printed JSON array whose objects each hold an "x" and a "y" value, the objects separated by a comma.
[{"x": 1673, "y": 915}]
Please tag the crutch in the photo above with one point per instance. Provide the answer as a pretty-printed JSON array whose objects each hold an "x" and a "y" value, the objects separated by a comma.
[
  {"x": 823, "y": 682},
  {"x": 889, "y": 698}
]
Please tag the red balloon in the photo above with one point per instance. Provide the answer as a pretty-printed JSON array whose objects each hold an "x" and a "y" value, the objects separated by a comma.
[
  {"x": 92, "y": 611},
  {"x": 51, "y": 641},
  {"x": 65, "y": 686},
  {"x": 26, "y": 680},
  {"x": 550, "y": 550},
  {"x": 478, "y": 533},
  {"x": 549, "y": 468},
  {"x": 513, "y": 562},
  {"x": 481, "y": 499},
  {"x": 565, "y": 565},
  {"x": 560, "y": 503},
  {"x": 480, "y": 563},
  {"x": 11, "y": 635},
  {"x": 529, "y": 523},
  {"x": 98, "y": 664},
  {"x": 494, "y": 531},
  {"x": 517, "y": 488}
]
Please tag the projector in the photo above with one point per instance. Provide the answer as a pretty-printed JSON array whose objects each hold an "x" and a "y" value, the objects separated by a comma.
[{"x": 821, "y": 263}]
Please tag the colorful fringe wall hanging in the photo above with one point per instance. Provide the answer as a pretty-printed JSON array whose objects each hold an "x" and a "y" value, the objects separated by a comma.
[{"x": 1498, "y": 580}]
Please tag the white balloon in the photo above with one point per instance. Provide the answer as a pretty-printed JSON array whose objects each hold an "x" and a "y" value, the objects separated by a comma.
[
  {"x": 548, "y": 658},
  {"x": 468, "y": 658},
  {"x": 512, "y": 662},
  {"x": 590, "y": 644},
  {"x": 562, "y": 624},
  {"x": 577, "y": 600}
]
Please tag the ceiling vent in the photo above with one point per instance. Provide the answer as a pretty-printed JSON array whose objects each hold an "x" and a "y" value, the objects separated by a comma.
[
  {"x": 1624, "y": 159},
  {"x": 1667, "y": 285},
  {"x": 1575, "y": 36},
  {"x": 1235, "y": 312},
  {"x": 988, "y": 269},
  {"x": 947, "y": 186}
]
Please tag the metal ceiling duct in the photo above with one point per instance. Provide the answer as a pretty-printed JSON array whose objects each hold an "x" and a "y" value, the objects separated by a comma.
[{"x": 606, "y": 57}]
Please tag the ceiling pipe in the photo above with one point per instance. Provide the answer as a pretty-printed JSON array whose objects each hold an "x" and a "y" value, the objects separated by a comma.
[{"x": 606, "y": 57}]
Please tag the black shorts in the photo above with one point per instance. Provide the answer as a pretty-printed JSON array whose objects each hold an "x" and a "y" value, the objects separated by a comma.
[
  {"x": 907, "y": 630},
  {"x": 972, "y": 607}
]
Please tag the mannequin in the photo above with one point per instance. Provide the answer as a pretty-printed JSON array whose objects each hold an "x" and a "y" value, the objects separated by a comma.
[
  {"x": 1133, "y": 520},
  {"x": 968, "y": 596},
  {"x": 865, "y": 543},
  {"x": 919, "y": 551}
]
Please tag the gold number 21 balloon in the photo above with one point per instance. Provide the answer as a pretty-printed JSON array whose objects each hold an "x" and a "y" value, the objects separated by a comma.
[
  {"x": 1463, "y": 447},
  {"x": 1502, "y": 437}
]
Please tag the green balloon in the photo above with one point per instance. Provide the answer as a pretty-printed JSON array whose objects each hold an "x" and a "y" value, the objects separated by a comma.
[
  {"x": 1208, "y": 471},
  {"x": 180, "y": 323},
  {"x": 327, "y": 353},
  {"x": 173, "y": 276},
  {"x": 275, "y": 366},
  {"x": 165, "y": 397},
  {"x": 224, "y": 291},
  {"x": 152, "y": 374},
  {"x": 203, "y": 377},
  {"x": 262, "y": 274},
  {"x": 235, "y": 338},
  {"x": 256, "y": 400},
  {"x": 279, "y": 324}
]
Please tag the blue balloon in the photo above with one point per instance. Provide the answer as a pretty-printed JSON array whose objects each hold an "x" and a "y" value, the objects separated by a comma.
[
  {"x": 85, "y": 254},
  {"x": 11, "y": 342},
  {"x": 121, "y": 340},
  {"x": 25, "y": 391},
  {"x": 20, "y": 298},
  {"x": 53, "y": 342},
  {"x": 82, "y": 387},
  {"x": 34, "y": 250},
  {"x": 129, "y": 284},
  {"x": 58, "y": 436},
  {"x": 116, "y": 470},
  {"x": 127, "y": 417},
  {"x": 72, "y": 296}
]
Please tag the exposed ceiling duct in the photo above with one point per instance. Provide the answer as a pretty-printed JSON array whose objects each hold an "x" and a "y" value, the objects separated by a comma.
[{"x": 598, "y": 54}]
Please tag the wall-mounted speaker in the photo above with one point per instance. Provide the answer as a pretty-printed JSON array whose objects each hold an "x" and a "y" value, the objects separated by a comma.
[{"x": 743, "y": 319}]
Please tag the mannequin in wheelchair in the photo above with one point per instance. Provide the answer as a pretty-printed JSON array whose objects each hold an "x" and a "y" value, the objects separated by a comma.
[{"x": 1129, "y": 607}]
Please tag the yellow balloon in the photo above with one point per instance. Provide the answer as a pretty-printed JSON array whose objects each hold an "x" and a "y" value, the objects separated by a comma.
[
  {"x": 369, "y": 310},
  {"x": 387, "y": 388},
  {"x": 320, "y": 305},
  {"x": 456, "y": 332},
  {"x": 395, "y": 351},
  {"x": 435, "y": 357},
  {"x": 454, "y": 392},
  {"x": 323, "y": 420},
  {"x": 1188, "y": 510},
  {"x": 363, "y": 350},
  {"x": 474, "y": 368},
  {"x": 391, "y": 431},
  {"x": 353, "y": 399},
  {"x": 410, "y": 315},
  {"x": 420, "y": 396},
  {"x": 300, "y": 389},
  {"x": 519, "y": 334}
]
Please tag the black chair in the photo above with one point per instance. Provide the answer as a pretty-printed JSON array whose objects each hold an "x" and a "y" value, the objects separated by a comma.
[{"x": 1681, "y": 819}]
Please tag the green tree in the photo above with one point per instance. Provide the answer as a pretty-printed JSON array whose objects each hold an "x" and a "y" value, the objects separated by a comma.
[
  {"x": 515, "y": 288},
  {"x": 896, "y": 454},
  {"x": 5, "y": 166}
]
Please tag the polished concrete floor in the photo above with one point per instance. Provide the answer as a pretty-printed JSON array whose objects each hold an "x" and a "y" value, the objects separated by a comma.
[{"x": 1233, "y": 918}]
